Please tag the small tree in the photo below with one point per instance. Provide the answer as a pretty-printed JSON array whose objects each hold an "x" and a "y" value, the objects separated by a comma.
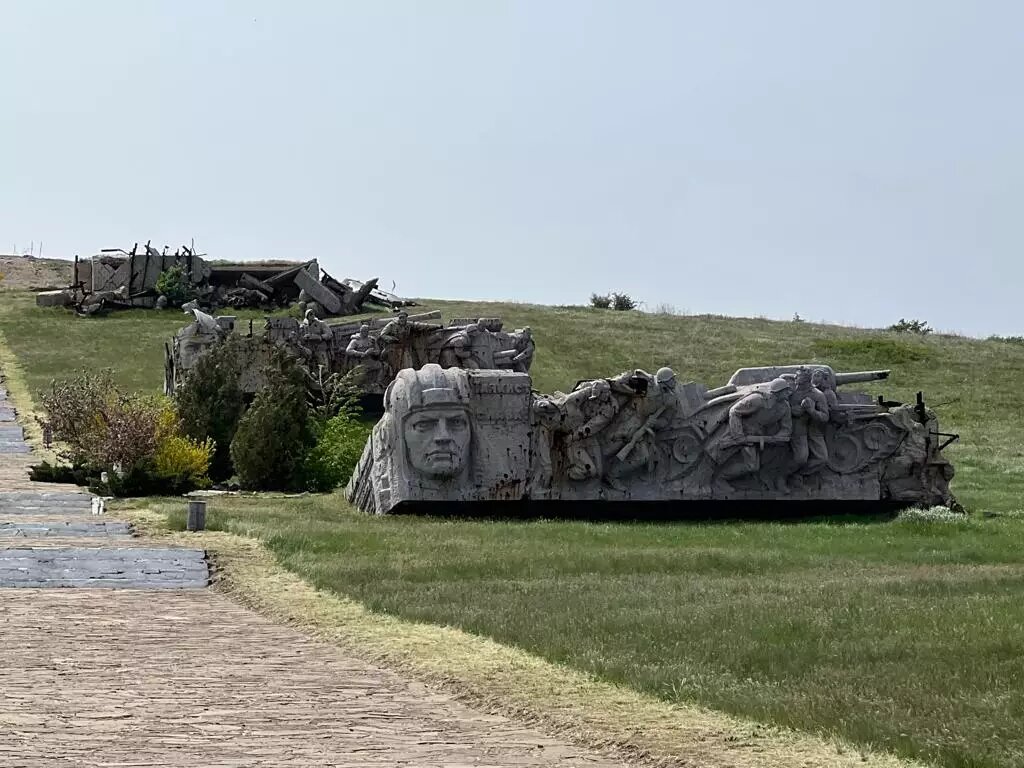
[
  {"x": 600, "y": 301},
  {"x": 174, "y": 284},
  {"x": 210, "y": 401},
  {"x": 99, "y": 426},
  {"x": 623, "y": 302},
  {"x": 919, "y": 327},
  {"x": 274, "y": 436}
]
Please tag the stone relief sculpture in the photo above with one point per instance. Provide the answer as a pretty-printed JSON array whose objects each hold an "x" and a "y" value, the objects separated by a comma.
[
  {"x": 783, "y": 432},
  {"x": 373, "y": 350},
  {"x": 443, "y": 437}
]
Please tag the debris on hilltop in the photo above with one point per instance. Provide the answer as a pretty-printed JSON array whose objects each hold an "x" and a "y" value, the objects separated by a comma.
[{"x": 148, "y": 278}]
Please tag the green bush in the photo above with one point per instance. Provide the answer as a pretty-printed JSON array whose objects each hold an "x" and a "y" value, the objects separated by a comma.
[
  {"x": 334, "y": 457},
  {"x": 600, "y": 301},
  {"x": 174, "y": 284},
  {"x": 623, "y": 302},
  {"x": 274, "y": 435},
  {"x": 210, "y": 401},
  {"x": 919, "y": 327}
]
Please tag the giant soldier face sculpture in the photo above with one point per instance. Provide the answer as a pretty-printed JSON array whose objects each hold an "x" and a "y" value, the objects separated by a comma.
[
  {"x": 437, "y": 440},
  {"x": 435, "y": 423}
]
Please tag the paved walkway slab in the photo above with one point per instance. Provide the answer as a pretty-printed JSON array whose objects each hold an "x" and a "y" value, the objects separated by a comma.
[
  {"x": 104, "y": 568},
  {"x": 65, "y": 528},
  {"x": 185, "y": 679}
]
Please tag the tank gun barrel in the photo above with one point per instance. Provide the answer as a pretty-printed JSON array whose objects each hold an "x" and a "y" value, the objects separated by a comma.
[{"x": 858, "y": 376}]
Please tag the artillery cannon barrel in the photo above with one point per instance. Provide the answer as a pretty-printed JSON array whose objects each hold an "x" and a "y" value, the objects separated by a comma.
[
  {"x": 857, "y": 376},
  {"x": 711, "y": 394}
]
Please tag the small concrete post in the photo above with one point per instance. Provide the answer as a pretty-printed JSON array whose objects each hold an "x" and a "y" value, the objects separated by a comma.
[{"x": 196, "y": 515}]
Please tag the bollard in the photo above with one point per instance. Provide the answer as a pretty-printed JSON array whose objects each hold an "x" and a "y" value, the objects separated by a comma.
[{"x": 196, "y": 515}]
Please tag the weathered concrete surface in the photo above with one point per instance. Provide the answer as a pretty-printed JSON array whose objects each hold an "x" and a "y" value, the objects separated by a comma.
[
  {"x": 60, "y": 503},
  {"x": 775, "y": 433},
  {"x": 135, "y": 568},
  {"x": 190, "y": 678},
  {"x": 111, "y": 529}
]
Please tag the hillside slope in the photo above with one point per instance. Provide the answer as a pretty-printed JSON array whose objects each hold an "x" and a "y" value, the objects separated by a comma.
[
  {"x": 25, "y": 272},
  {"x": 967, "y": 381}
]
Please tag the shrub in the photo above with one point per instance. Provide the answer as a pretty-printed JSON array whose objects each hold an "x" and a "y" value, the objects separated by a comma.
[
  {"x": 181, "y": 460},
  {"x": 174, "y": 284},
  {"x": 797, "y": 318},
  {"x": 269, "y": 447},
  {"x": 623, "y": 302},
  {"x": 600, "y": 302},
  {"x": 211, "y": 402},
  {"x": 100, "y": 426},
  {"x": 1007, "y": 339},
  {"x": 135, "y": 439},
  {"x": 337, "y": 451},
  {"x": 919, "y": 327}
]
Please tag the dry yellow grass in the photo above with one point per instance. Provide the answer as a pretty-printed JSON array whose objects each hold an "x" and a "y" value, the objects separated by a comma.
[{"x": 506, "y": 680}]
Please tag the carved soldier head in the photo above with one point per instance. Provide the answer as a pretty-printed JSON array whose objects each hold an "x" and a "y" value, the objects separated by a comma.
[
  {"x": 803, "y": 377},
  {"x": 435, "y": 425},
  {"x": 600, "y": 390},
  {"x": 364, "y": 330},
  {"x": 666, "y": 379},
  {"x": 403, "y": 317},
  {"x": 821, "y": 379},
  {"x": 780, "y": 387}
]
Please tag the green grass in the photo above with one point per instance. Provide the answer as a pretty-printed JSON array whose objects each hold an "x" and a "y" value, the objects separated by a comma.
[{"x": 907, "y": 636}]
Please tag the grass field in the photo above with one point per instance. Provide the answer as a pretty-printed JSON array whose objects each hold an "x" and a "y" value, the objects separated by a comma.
[{"x": 906, "y": 636}]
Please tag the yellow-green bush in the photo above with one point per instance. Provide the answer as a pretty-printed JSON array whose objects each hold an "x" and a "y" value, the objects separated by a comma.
[{"x": 179, "y": 457}]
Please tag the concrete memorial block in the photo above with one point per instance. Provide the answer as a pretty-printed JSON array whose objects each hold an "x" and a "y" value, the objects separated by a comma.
[
  {"x": 61, "y": 298},
  {"x": 782, "y": 433},
  {"x": 448, "y": 435},
  {"x": 373, "y": 351}
]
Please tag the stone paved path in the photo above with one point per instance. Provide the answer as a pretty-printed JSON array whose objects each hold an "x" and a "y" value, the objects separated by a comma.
[{"x": 185, "y": 677}]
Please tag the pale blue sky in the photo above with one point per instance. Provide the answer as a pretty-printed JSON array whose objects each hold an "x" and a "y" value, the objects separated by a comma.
[{"x": 855, "y": 161}]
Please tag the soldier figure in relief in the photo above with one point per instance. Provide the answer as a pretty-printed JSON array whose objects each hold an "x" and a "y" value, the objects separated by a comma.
[
  {"x": 760, "y": 418},
  {"x": 810, "y": 411},
  {"x": 585, "y": 451}
]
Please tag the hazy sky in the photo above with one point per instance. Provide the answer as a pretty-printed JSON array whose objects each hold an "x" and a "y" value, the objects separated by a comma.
[{"x": 855, "y": 161}]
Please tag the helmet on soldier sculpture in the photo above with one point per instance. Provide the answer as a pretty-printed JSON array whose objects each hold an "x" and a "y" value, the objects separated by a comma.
[
  {"x": 779, "y": 384},
  {"x": 664, "y": 375}
]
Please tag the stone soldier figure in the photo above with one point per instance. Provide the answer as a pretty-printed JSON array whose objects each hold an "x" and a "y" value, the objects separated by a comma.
[
  {"x": 597, "y": 410},
  {"x": 318, "y": 335},
  {"x": 760, "y": 418},
  {"x": 361, "y": 345},
  {"x": 459, "y": 351},
  {"x": 810, "y": 411},
  {"x": 636, "y": 449},
  {"x": 524, "y": 348},
  {"x": 396, "y": 341},
  {"x": 826, "y": 384}
]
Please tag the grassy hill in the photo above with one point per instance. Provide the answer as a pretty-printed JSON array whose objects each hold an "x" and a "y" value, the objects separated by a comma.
[
  {"x": 904, "y": 636},
  {"x": 968, "y": 381}
]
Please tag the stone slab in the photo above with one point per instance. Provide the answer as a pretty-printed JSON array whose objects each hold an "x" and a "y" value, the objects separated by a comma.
[
  {"x": 121, "y": 567},
  {"x": 15, "y": 447},
  {"x": 7, "y": 415},
  {"x": 12, "y": 432},
  {"x": 69, "y": 528}
]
